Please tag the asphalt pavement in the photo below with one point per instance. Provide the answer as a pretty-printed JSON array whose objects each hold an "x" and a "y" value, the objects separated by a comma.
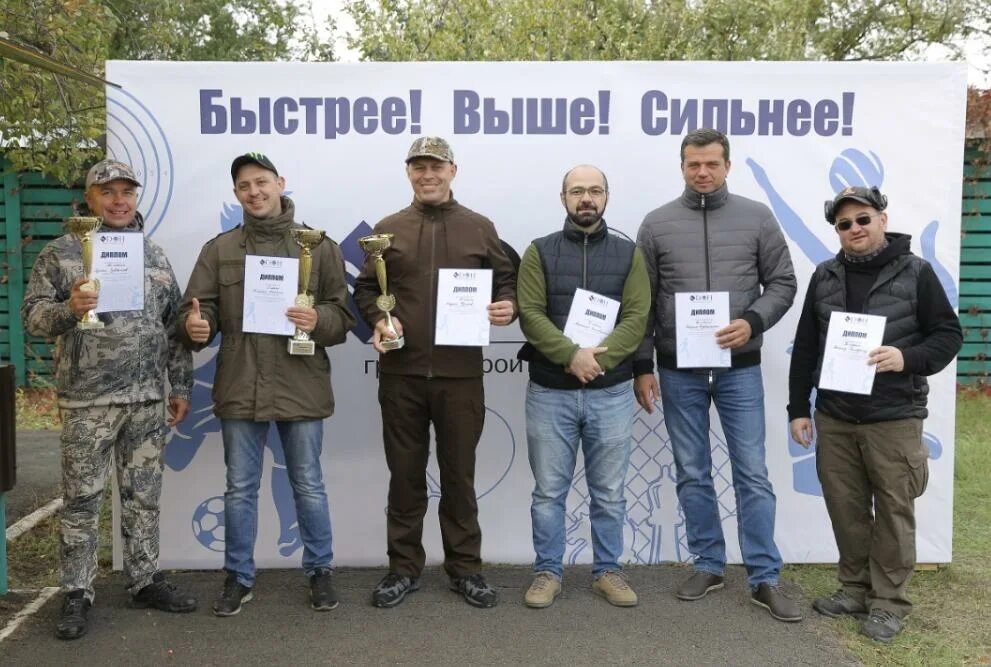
[
  {"x": 39, "y": 473},
  {"x": 434, "y": 626}
]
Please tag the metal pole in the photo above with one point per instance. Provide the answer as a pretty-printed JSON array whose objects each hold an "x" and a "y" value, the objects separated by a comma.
[{"x": 3, "y": 546}]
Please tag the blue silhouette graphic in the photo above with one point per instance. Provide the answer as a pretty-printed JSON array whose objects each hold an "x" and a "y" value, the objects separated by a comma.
[{"x": 851, "y": 168}]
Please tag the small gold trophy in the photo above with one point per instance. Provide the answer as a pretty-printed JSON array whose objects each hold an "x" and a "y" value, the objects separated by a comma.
[
  {"x": 83, "y": 228},
  {"x": 306, "y": 239},
  {"x": 375, "y": 245}
]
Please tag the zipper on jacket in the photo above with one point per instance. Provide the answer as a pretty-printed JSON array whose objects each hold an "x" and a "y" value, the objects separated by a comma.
[
  {"x": 432, "y": 292},
  {"x": 705, "y": 238},
  {"x": 585, "y": 263},
  {"x": 711, "y": 380}
]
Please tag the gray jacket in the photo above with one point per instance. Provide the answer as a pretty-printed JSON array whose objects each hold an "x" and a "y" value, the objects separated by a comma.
[
  {"x": 721, "y": 243},
  {"x": 126, "y": 361}
]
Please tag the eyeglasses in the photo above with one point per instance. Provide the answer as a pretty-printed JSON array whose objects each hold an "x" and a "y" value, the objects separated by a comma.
[
  {"x": 862, "y": 220},
  {"x": 578, "y": 193}
]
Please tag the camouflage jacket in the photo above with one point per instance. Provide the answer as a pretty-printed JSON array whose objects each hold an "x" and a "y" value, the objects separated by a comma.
[{"x": 127, "y": 360}]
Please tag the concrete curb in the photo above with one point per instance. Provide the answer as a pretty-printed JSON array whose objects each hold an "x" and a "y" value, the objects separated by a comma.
[
  {"x": 30, "y": 610},
  {"x": 33, "y": 519}
]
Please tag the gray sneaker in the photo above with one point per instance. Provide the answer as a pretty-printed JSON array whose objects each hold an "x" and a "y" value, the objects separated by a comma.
[
  {"x": 881, "y": 625},
  {"x": 780, "y": 606},
  {"x": 839, "y": 604},
  {"x": 698, "y": 585}
]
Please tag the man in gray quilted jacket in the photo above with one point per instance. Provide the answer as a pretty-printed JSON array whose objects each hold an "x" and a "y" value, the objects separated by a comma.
[{"x": 704, "y": 243}]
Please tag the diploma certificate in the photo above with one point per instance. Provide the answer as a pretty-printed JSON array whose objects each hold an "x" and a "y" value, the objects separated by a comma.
[
  {"x": 849, "y": 341},
  {"x": 463, "y": 296},
  {"x": 592, "y": 317},
  {"x": 697, "y": 318},
  {"x": 119, "y": 265},
  {"x": 269, "y": 290}
]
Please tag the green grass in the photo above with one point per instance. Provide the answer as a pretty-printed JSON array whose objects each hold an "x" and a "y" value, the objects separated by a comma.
[
  {"x": 951, "y": 622},
  {"x": 37, "y": 410}
]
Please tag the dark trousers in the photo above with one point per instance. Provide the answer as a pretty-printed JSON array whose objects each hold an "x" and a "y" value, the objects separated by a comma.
[
  {"x": 456, "y": 409},
  {"x": 881, "y": 467}
]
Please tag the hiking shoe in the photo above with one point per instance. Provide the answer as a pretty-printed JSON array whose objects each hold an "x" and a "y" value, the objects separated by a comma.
[
  {"x": 542, "y": 591},
  {"x": 615, "y": 589},
  {"x": 322, "y": 594},
  {"x": 163, "y": 595},
  {"x": 781, "y": 607},
  {"x": 881, "y": 625},
  {"x": 233, "y": 596},
  {"x": 698, "y": 585},
  {"x": 72, "y": 623},
  {"x": 839, "y": 604},
  {"x": 475, "y": 591},
  {"x": 393, "y": 589}
]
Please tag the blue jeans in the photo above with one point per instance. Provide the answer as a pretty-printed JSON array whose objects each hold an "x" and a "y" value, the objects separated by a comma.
[
  {"x": 739, "y": 398},
  {"x": 557, "y": 420},
  {"x": 244, "y": 447}
]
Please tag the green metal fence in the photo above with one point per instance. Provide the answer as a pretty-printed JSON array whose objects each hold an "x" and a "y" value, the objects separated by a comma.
[
  {"x": 32, "y": 209},
  {"x": 975, "y": 269},
  {"x": 31, "y": 212}
]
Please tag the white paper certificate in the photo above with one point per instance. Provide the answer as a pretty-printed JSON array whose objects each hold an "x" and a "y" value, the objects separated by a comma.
[
  {"x": 270, "y": 285},
  {"x": 849, "y": 340},
  {"x": 463, "y": 296},
  {"x": 119, "y": 265},
  {"x": 697, "y": 318},
  {"x": 592, "y": 317}
]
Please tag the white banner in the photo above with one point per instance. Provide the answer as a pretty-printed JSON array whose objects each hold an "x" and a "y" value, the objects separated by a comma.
[{"x": 800, "y": 132}]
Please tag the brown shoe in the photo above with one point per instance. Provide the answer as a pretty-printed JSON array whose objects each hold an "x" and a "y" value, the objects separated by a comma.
[
  {"x": 698, "y": 585},
  {"x": 615, "y": 589},
  {"x": 542, "y": 591}
]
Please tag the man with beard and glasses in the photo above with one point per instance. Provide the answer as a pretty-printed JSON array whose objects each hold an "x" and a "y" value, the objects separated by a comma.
[
  {"x": 869, "y": 451},
  {"x": 581, "y": 391},
  {"x": 708, "y": 244},
  {"x": 259, "y": 382}
]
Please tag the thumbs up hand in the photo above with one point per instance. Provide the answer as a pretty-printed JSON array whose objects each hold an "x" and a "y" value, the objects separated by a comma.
[{"x": 197, "y": 328}]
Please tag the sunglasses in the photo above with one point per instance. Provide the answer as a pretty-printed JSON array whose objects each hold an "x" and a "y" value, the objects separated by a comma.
[{"x": 862, "y": 220}]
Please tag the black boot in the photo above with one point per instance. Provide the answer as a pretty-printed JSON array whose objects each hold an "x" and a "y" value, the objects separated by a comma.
[{"x": 72, "y": 622}]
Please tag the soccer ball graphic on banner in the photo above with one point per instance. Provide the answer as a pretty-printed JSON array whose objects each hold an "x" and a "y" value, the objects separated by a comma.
[{"x": 208, "y": 523}]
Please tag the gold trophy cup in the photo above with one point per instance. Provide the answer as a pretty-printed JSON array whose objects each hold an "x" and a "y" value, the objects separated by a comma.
[
  {"x": 374, "y": 245},
  {"x": 83, "y": 228},
  {"x": 306, "y": 239}
]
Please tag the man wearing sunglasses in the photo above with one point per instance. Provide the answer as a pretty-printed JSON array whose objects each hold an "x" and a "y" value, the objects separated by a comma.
[{"x": 869, "y": 449}]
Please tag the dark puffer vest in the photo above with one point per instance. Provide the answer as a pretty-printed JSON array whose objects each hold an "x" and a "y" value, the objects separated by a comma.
[{"x": 599, "y": 262}]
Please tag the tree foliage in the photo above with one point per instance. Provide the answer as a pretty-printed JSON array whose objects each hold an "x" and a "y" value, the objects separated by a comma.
[
  {"x": 56, "y": 125},
  {"x": 400, "y": 30}
]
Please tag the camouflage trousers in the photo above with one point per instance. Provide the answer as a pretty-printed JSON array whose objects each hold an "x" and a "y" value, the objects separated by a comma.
[{"x": 132, "y": 436}]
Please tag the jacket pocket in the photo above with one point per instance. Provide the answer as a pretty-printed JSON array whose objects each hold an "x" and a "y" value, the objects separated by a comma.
[{"x": 230, "y": 279}]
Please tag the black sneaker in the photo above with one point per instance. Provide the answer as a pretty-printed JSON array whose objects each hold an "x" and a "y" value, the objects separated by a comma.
[
  {"x": 322, "y": 594},
  {"x": 231, "y": 599},
  {"x": 698, "y": 585},
  {"x": 163, "y": 595},
  {"x": 839, "y": 604},
  {"x": 393, "y": 589},
  {"x": 475, "y": 591},
  {"x": 881, "y": 625},
  {"x": 770, "y": 597},
  {"x": 72, "y": 623}
]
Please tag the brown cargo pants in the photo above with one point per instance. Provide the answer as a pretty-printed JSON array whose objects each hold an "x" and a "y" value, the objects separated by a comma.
[
  {"x": 871, "y": 475},
  {"x": 456, "y": 409}
]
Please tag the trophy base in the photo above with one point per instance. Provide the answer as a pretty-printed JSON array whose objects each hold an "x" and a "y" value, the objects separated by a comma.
[
  {"x": 301, "y": 347},
  {"x": 87, "y": 325},
  {"x": 392, "y": 343}
]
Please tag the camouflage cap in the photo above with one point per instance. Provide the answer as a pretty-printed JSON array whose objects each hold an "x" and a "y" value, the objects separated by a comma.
[
  {"x": 432, "y": 147},
  {"x": 110, "y": 170}
]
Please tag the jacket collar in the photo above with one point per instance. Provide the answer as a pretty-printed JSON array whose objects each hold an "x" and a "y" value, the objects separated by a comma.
[
  {"x": 714, "y": 199},
  {"x": 573, "y": 232},
  {"x": 269, "y": 228},
  {"x": 443, "y": 206},
  {"x": 136, "y": 225}
]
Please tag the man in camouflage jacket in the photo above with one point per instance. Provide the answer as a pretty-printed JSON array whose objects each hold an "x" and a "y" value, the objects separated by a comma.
[{"x": 110, "y": 384}]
